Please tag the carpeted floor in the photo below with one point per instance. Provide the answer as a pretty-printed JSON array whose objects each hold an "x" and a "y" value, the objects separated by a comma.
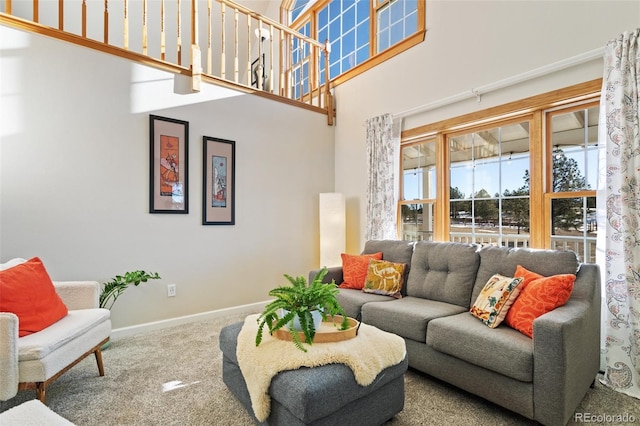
[{"x": 173, "y": 377}]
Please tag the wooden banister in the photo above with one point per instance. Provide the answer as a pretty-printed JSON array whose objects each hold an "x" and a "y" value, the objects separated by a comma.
[{"x": 259, "y": 53}]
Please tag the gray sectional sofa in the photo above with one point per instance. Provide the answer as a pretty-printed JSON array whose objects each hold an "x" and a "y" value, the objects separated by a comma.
[{"x": 543, "y": 378}]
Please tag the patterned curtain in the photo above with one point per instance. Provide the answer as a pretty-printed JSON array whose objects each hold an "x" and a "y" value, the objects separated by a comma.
[
  {"x": 620, "y": 132},
  {"x": 382, "y": 155}
]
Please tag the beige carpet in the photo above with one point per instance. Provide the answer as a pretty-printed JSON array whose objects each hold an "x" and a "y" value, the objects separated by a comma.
[{"x": 173, "y": 377}]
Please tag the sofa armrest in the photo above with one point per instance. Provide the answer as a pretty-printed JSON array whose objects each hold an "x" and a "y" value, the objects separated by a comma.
[
  {"x": 8, "y": 355},
  {"x": 333, "y": 273},
  {"x": 566, "y": 345},
  {"x": 78, "y": 294}
]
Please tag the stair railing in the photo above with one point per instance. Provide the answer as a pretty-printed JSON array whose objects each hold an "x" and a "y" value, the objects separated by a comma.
[{"x": 243, "y": 49}]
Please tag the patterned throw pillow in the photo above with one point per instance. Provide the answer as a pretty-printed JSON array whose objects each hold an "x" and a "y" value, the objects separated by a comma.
[
  {"x": 494, "y": 300},
  {"x": 354, "y": 269},
  {"x": 541, "y": 295},
  {"x": 384, "y": 277}
]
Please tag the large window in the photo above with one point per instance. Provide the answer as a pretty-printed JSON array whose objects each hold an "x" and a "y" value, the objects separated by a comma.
[
  {"x": 489, "y": 189},
  {"x": 361, "y": 32},
  {"x": 528, "y": 180},
  {"x": 418, "y": 164},
  {"x": 573, "y": 152}
]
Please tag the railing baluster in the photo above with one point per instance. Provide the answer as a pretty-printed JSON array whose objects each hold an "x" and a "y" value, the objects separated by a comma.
[
  {"x": 163, "y": 33},
  {"x": 126, "y": 25},
  {"x": 259, "y": 64},
  {"x": 248, "y": 50},
  {"x": 223, "y": 55},
  {"x": 236, "y": 62},
  {"x": 106, "y": 21},
  {"x": 291, "y": 80},
  {"x": 270, "y": 58},
  {"x": 195, "y": 54},
  {"x": 194, "y": 22},
  {"x": 179, "y": 37},
  {"x": 144, "y": 27},
  {"x": 209, "y": 38},
  {"x": 61, "y": 15},
  {"x": 328, "y": 102},
  {"x": 7, "y": 6},
  {"x": 84, "y": 18},
  {"x": 36, "y": 10},
  {"x": 283, "y": 65}
]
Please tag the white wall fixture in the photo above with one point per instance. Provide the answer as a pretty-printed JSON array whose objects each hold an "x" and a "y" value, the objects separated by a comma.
[{"x": 332, "y": 228}]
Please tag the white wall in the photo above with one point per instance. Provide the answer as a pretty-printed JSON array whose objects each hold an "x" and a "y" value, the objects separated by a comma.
[
  {"x": 74, "y": 183},
  {"x": 469, "y": 44}
]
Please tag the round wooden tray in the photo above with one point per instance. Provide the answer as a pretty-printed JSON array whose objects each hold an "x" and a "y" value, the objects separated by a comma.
[{"x": 327, "y": 332}]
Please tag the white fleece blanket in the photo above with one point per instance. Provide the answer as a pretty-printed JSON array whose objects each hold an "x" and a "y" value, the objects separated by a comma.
[{"x": 370, "y": 352}]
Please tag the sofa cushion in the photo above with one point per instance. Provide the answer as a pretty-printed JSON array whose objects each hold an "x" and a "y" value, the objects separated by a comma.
[
  {"x": 352, "y": 300},
  {"x": 541, "y": 295},
  {"x": 444, "y": 272},
  {"x": 504, "y": 261},
  {"x": 28, "y": 292},
  {"x": 76, "y": 323},
  {"x": 354, "y": 269},
  {"x": 502, "y": 349},
  {"x": 407, "y": 317},
  {"x": 384, "y": 277},
  {"x": 495, "y": 299}
]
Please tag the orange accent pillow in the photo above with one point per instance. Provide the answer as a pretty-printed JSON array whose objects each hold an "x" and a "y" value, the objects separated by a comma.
[
  {"x": 539, "y": 296},
  {"x": 355, "y": 268},
  {"x": 27, "y": 291}
]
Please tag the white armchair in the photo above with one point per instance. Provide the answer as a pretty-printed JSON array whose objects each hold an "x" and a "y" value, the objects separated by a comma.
[{"x": 36, "y": 360}]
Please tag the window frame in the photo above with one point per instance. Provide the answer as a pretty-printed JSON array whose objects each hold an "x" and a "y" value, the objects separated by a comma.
[
  {"x": 311, "y": 13},
  {"x": 533, "y": 110}
]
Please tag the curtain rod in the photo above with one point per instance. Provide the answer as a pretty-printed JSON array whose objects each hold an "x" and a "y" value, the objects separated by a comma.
[{"x": 509, "y": 81}]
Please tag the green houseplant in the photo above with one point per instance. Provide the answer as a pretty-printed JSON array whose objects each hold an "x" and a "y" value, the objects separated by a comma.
[
  {"x": 113, "y": 289},
  {"x": 296, "y": 304}
]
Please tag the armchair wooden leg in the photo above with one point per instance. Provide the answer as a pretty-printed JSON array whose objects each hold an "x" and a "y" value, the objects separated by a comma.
[
  {"x": 41, "y": 388},
  {"x": 98, "y": 354}
]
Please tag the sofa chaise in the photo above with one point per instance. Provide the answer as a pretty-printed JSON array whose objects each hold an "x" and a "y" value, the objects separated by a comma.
[{"x": 543, "y": 377}]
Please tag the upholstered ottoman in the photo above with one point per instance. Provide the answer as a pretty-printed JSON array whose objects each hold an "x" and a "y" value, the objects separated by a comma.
[{"x": 323, "y": 395}]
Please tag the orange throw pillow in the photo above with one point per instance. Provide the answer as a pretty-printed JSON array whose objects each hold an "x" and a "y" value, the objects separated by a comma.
[
  {"x": 355, "y": 268},
  {"x": 539, "y": 296},
  {"x": 528, "y": 276},
  {"x": 27, "y": 291}
]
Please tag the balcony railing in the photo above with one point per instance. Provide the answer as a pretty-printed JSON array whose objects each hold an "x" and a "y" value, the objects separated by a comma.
[
  {"x": 227, "y": 45},
  {"x": 584, "y": 247}
]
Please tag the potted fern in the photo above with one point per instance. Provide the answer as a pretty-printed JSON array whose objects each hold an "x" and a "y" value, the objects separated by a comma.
[{"x": 295, "y": 306}]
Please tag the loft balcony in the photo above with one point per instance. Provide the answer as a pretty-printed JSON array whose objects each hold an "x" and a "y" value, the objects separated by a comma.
[{"x": 215, "y": 42}]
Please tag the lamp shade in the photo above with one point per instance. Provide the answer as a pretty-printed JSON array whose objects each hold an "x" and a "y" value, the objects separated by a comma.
[{"x": 332, "y": 228}]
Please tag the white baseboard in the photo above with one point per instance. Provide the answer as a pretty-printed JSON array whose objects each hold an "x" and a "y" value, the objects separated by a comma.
[{"x": 157, "y": 325}]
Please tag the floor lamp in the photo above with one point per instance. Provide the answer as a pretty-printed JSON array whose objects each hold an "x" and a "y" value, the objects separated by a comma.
[{"x": 332, "y": 229}]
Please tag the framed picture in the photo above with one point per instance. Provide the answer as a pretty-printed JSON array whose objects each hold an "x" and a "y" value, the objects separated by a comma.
[
  {"x": 218, "y": 185},
  {"x": 169, "y": 165}
]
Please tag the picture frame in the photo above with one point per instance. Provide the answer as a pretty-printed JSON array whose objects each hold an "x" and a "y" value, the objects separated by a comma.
[
  {"x": 168, "y": 165},
  {"x": 218, "y": 181}
]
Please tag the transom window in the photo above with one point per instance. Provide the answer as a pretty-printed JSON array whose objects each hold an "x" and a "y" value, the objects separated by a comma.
[{"x": 358, "y": 30}]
